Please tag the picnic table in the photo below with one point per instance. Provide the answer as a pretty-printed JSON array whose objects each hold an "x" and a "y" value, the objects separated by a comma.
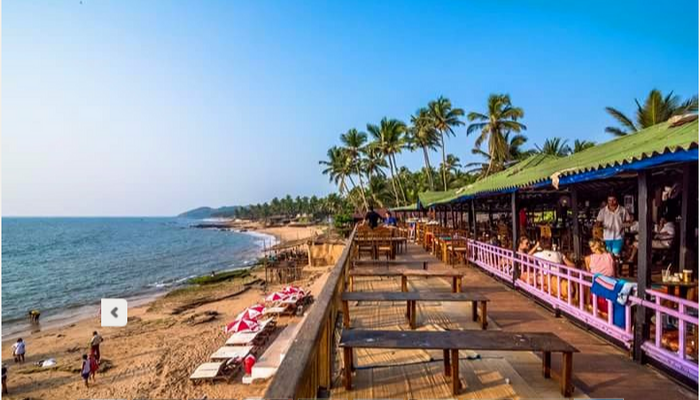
[
  {"x": 231, "y": 352},
  {"x": 405, "y": 273},
  {"x": 451, "y": 342},
  {"x": 411, "y": 298}
]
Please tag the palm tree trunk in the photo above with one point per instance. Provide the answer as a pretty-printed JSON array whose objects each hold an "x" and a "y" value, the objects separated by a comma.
[
  {"x": 428, "y": 170},
  {"x": 362, "y": 189},
  {"x": 398, "y": 176},
  {"x": 444, "y": 175},
  {"x": 393, "y": 183}
]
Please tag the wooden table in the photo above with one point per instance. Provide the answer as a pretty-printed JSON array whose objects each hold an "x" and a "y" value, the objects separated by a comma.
[
  {"x": 679, "y": 289},
  {"x": 452, "y": 341},
  {"x": 405, "y": 273},
  {"x": 398, "y": 244},
  {"x": 411, "y": 298}
]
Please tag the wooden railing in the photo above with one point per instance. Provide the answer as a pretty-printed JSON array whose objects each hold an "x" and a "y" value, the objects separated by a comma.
[{"x": 308, "y": 365}]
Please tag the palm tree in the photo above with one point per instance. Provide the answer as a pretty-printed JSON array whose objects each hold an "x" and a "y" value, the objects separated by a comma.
[
  {"x": 354, "y": 142},
  {"x": 515, "y": 153},
  {"x": 389, "y": 141},
  {"x": 379, "y": 191},
  {"x": 374, "y": 162},
  {"x": 338, "y": 168},
  {"x": 581, "y": 145},
  {"x": 423, "y": 135},
  {"x": 500, "y": 119},
  {"x": 557, "y": 147},
  {"x": 444, "y": 118},
  {"x": 452, "y": 164},
  {"x": 657, "y": 108}
]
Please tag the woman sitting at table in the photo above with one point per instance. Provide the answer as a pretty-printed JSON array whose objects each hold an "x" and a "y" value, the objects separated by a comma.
[{"x": 600, "y": 262}]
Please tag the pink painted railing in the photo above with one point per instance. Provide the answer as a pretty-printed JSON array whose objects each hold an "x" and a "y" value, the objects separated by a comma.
[
  {"x": 568, "y": 289},
  {"x": 681, "y": 318},
  {"x": 564, "y": 288}
]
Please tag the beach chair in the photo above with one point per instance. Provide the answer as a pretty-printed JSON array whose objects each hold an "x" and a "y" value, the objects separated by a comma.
[
  {"x": 215, "y": 371},
  {"x": 235, "y": 353}
]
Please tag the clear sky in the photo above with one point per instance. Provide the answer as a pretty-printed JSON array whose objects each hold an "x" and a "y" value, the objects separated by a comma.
[{"x": 155, "y": 107}]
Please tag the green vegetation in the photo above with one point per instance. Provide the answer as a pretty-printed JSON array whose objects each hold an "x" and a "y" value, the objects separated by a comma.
[
  {"x": 657, "y": 108},
  {"x": 219, "y": 277}
]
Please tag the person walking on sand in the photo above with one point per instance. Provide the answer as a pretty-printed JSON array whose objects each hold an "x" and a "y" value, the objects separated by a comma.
[
  {"x": 94, "y": 365},
  {"x": 85, "y": 370},
  {"x": 18, "y": 350},
  {"x": 95, "y": 345},
  {"x": 4, "y": 379}
]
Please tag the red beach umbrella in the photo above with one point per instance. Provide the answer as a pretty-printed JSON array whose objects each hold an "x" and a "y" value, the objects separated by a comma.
[
  {"x": 277, "y": 296},
  {"x": 242, "y": 325},
  {"x": 250, "y": 314},
  {"x": 293, "y": 290},
  {"x": 257, "y": 307}
]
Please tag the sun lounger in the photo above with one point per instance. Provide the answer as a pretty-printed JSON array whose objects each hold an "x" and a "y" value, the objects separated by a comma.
[
  {"x": 214, "y": 371},
  {"x": 231, "y": 353},
  {"x": 244, "y": 339}
]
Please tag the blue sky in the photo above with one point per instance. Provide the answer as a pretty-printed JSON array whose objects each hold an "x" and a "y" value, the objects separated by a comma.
[{"x": 151, "y": 108}]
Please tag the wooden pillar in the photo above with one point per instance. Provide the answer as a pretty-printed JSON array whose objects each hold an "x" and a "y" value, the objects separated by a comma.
[
  {"x": 688, "y": 206},
  {"x": 642, "y": 319},
  {"x": 514, "y": 227},
  {"x": 472, "y": 216},
  {"x": 575, "y": 227}
]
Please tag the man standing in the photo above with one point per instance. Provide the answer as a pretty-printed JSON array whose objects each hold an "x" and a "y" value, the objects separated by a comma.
[
  {"x": 95, "y": 345},
  {"x": 613, "y": 218},
  {"x": 372, "y": 218}
]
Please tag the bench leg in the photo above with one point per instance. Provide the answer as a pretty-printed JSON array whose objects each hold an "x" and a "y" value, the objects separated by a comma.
[
  {"x": 567, "y": 387},
  {"x": 474, "y": 313},
  {"x": 546, "y": 364},
  {"x": 346, "y": 314},
  {"x": 459, "y": 284},
  {"x": 446, "y": 360},
  {"x": 455, "y": 372},
  {"x": 454, "y": 285},
  {"x": 404, "y": 283},
  {"x": 484, "y": 320},
  {"x": 413, "y": 315},
  {"x": 408, "y": 310},
  {"x": 351, "y": 282},
  {"x": 347, "y": 366}
]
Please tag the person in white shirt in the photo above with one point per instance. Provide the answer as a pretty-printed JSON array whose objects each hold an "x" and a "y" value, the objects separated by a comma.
[
  {"x": 18, "y": 350},
  {"x": 545, "y": 252},
  {"x": 614, "y": 218},
  {"x": 664, "y": 234}
]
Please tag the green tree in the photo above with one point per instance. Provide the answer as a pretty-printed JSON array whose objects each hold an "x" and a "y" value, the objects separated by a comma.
[
  {"x": 500, "y": 119},
  {"x": 423, "y": 135},
  {"x": 354, "y": 142},
  {"x": 557, "y": 147},
  {"x": 389, "y": 140},
  {"x": 657, "y": 108},
  {"x": 581, "y": 145},
  {"x": 444, "y": 118}
]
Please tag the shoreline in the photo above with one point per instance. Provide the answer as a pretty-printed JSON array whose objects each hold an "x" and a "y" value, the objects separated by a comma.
[{"x": 64, "y": 318}]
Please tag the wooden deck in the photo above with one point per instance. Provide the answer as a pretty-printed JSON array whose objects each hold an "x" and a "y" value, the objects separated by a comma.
[{"x": 600, "y": 370}]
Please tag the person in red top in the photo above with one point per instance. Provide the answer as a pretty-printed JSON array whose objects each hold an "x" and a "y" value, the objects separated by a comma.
[{"x": 522, "y": 218}]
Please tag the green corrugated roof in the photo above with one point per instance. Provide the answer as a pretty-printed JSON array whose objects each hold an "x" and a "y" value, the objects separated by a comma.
[
  {"x": 412, "y": 207},
  {"x": 655, "y": 140}
]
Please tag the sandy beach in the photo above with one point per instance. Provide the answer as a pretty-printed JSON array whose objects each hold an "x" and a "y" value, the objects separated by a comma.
[{"x": 153, "y": 356}]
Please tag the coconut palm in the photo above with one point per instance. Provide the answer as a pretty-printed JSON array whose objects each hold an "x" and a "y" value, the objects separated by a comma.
[
  {"x": 374, "y": 162},
  {"x": 423, "y": 135},
  {"x": 500, "y": 119},
  {"x": 444, "y": 118},
  {"x": 338, "y": 168},
  {"x": 379, "y": 191},
  {"x": 515, "y": 153},
  {"x": 557, "y": 147},
  {"x": 657, "y": 108},
  {"x": 451, "y": 164},
  {"x": 389, "y": 139},
  {"x": 581, "y": 145},
  {"x": 354, "y": 142}
]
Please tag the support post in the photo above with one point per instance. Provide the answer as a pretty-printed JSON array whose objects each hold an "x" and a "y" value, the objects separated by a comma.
[
  {"x": 575, "y": 227},
  {"x": 689, "y": 194},
  {"x": 514, "y": 226},
  {"x": 642, "y": 319},
  {"x": 472, "y": 218}
]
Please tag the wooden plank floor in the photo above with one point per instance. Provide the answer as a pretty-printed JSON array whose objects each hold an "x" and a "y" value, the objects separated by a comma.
[{"x": 600, "y": 370}]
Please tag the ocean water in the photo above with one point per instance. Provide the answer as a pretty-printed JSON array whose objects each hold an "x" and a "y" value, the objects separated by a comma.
[{"x": 64, "y": 266}]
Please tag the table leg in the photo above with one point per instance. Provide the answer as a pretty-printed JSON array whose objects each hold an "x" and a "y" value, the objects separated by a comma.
[
  {"x": 546, "y": 364},
  {"x": 346, "y": 314},
  {"x": 408, "y": 311},
  {"x": 459, "y": 284},
  {"x": 404, "y": 283},
  {"x": 474, "y": 307},
  {"x": 567, "y": 387},
  {"x": 446, "y": 360},
  {"x": 347, "y": 366},
  {"x": 413, "y": 314},
  {"x": 455, "y": 371},
  {"x": 484, "y": 321},
  {"x": 454, "y": 285},
  {"x": 351, "y": 281}
]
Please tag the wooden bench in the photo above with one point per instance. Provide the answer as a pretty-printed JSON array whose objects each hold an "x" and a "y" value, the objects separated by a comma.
[
  {"x": 405, "y": 273},
  {"x": 388, "y": 263},
  {"x": 452, "y": 341},
  {"x": 411, "y": 298}
]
